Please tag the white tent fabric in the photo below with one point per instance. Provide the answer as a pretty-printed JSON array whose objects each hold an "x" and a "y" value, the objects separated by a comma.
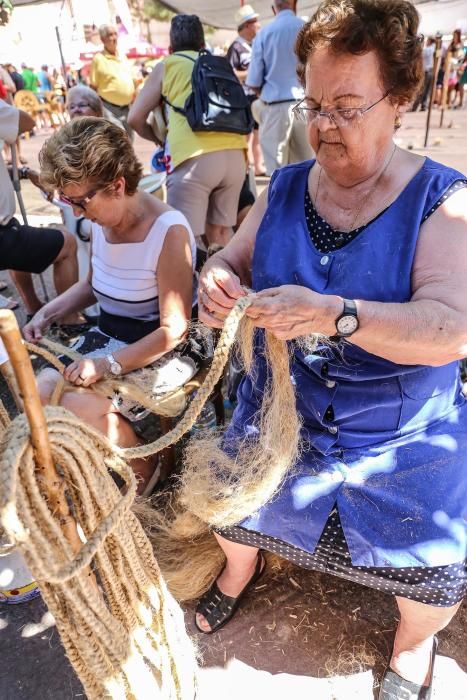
[{"x": 437, "y": 15}]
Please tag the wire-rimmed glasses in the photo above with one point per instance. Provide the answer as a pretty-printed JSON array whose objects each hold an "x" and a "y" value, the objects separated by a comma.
[
  {"x": 82, "y": 202},
  {"x": 341, "y": 117}
]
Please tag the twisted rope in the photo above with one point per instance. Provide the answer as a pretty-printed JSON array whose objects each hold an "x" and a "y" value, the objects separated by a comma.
[{"x": 129, "y": 638}]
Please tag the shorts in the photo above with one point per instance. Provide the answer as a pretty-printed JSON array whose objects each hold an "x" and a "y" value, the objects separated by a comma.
[
  {"x": 28, "y": 248},
  {"x": 206, "y": 189}
]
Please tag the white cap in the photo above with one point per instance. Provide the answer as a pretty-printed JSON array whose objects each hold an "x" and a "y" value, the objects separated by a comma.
[{"x": 245, "y": 14}]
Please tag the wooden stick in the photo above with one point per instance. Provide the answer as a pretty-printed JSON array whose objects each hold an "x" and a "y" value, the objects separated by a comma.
[{"x": 51, "y": 481}]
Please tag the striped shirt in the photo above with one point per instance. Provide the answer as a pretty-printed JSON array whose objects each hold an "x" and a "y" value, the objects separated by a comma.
[{"x": 124, "y": 275}]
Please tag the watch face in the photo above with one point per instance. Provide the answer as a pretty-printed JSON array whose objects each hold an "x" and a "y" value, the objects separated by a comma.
[{"x": 347, "y": 325}]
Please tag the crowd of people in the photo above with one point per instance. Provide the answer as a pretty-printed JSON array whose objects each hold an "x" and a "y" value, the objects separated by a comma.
[{"x": 347, "y": 242}]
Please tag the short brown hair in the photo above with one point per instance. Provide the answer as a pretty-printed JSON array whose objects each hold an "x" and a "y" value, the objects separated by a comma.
[
  {"x": 89, "y": 148},
  {"x": 387, "y": 27}
]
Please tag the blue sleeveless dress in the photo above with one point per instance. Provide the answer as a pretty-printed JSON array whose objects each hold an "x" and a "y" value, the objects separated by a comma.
[{"x": 384, "y": 443}]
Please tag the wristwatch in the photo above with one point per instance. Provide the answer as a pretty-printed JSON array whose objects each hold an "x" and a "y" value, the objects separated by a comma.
[
  {"x": 347, "y": 323},
  {"x": 114, "y": 366}
]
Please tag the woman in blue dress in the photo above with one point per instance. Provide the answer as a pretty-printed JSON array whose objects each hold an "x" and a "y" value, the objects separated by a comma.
[{"x": 366, "y": 244}]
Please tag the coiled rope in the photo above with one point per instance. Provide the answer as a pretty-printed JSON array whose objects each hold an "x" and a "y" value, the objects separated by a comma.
[{"x": 125, "y": 636}]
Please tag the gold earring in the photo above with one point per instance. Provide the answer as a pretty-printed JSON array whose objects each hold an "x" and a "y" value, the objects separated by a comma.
[{"x": 397, "y": 122}]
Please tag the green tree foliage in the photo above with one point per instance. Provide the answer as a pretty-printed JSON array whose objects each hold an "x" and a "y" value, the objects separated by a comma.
[
  {"x": 155, "y": 10},
  {"x": 6, "y": 8}
]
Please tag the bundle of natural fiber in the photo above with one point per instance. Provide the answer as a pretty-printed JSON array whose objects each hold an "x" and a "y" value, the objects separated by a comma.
[
  {"x": 121, "y": 629},
  {"x": 218, "y": 490}
]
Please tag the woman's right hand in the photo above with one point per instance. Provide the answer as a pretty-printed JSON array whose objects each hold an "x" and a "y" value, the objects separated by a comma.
[
  {"x": 219, "y": 288},
  {"x": 33, "y": 330}
]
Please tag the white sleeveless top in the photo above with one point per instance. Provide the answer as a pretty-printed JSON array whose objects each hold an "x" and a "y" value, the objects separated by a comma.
[{"x": 124, "y": 275}]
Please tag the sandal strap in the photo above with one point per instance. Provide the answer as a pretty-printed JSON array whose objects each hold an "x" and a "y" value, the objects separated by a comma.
[
  {"x": 217, "y": 608},
  {"x": 394, "y": 687}
]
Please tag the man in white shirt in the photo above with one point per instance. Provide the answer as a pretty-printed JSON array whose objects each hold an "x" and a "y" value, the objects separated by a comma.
[{"x": 26, "y": 249}]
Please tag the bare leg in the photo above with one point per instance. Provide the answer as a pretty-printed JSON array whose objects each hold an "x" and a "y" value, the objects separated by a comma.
[
  {"x": 24, "y": 284},
  {"x": 411, "y": 657},
  {"x": 99, "y": 412},
  {"x": 65, "y": 270},
  {"x": 218, "y": 234},
  {"x": 256, "y": 152},
  {"x": 240, "y": 566}
]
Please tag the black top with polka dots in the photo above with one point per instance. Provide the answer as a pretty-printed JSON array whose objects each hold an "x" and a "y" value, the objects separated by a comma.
[{"x": 327, "y": 240}]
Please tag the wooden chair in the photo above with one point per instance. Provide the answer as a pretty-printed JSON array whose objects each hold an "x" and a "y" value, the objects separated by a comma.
[
  {"x": 28, "y": 102},
  {"x": 57, "y": 113}
]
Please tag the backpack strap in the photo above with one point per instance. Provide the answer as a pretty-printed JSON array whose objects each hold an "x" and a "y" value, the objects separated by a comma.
[
  {"x": 180, "y": 110},
  {"x": 174, "y": 107}
]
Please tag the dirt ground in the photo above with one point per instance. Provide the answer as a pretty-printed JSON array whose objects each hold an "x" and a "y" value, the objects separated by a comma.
[{"x": 298, "y": 634}]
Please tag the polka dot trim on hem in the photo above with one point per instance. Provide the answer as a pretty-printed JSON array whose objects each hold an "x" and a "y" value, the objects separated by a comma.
[{"x": 441, "y": 586}]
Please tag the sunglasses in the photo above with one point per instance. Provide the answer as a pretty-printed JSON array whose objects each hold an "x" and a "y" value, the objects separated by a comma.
[{"x": 82, "y": 202}]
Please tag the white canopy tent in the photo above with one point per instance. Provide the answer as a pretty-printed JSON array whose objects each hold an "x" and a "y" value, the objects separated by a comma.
[{"x": 437, "y": 15}]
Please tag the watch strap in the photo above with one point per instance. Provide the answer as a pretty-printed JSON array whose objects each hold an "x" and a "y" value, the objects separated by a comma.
[{"x": 350, "y": 308}]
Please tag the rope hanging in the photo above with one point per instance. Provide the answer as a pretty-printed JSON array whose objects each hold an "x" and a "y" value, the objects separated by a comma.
[{"x": 121, "y": 629}]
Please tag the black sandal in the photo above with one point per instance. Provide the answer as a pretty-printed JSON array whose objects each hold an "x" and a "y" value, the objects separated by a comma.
[
  {"x": 394, "y": 687},
  {"x": 218, "y": 608}
]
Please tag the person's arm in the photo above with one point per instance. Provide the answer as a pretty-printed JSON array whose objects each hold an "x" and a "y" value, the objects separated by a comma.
[
  {"x": 76, "y": 298},
  {"x": 175, "y": 286},
  {"x": 226, "y": 274},
  {"x": 148, "y": 99},
  {"x": 257, "y": 68},
  {"x": 430, "y": 329},
  {"x": 26, "y": 122},
  {"x": 234, "y": 60}
]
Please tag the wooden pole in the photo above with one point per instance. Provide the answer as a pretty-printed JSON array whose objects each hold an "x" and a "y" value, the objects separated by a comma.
[
  {"x": 445, "y": 93},
  {"x": 436, "y": 63},
  {"x": 51, "y": 481}
]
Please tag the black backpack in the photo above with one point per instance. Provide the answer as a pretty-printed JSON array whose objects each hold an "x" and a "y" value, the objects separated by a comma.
[{"x": 217, "y": 101}]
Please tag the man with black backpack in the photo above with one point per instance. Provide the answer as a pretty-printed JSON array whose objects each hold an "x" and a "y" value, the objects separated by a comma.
[{"x": 208, "y": 119}]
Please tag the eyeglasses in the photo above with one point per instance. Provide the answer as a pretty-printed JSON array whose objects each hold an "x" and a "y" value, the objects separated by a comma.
[
  {"x": 342, "y": 117},
  {"x": 79, "y": 105},
  {"x": 82, "y": 202}
]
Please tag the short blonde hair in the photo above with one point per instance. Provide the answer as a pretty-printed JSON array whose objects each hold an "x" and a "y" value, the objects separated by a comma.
[{"x": 91, "y": 149}]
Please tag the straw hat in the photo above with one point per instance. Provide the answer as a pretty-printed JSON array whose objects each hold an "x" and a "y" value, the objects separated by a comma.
[{"x": 245, "y": 14}]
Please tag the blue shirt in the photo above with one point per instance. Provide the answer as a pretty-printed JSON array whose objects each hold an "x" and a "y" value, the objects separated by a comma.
[
  {"x": 274, "y": 62},
  {"x": 387, "y": 442},
  {"x": 44, "y": 80}
]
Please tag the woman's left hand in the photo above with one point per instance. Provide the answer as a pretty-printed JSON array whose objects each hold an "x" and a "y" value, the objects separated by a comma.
[
  {"x": 290, "y": 311},
  {"x": 87, "y": 371}
]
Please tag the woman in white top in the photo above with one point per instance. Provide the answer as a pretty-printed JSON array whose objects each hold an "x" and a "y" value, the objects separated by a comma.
[{"x": 141, "y": 273}]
